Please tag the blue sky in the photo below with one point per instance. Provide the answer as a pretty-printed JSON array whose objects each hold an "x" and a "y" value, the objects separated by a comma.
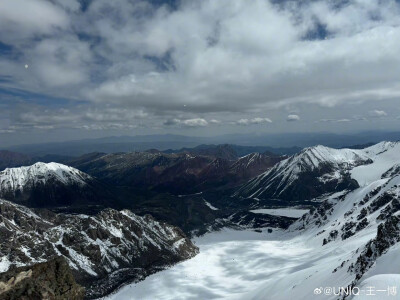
[{"x": 76, "y": 69}]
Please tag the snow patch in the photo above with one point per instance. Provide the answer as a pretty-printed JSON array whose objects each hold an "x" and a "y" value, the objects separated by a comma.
[
  {"x": 210, "y": 205},
  {"x": 283, "y": 212}
]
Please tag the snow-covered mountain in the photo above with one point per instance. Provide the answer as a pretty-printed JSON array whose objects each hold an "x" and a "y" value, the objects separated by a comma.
[
  {"x": 103, "y": 250},
  {"x": 350, "y": 244},
  {"x": 320, "y": 170},
  {"x": 353, "y": 237},
  {"x": 50, "y": 185},
  {"x": 17, "y": 179}
]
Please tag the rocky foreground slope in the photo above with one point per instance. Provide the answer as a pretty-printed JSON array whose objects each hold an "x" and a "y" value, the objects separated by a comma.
[
  {"x": 103, "y": 250},
  {"x": 49, "y": 280}
]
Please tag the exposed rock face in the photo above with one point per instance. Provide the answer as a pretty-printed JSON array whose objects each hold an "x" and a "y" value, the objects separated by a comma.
[
  {"x": 388, "y": 234},
  {"x": 395, "y": 170},
  {"x": 102, "y": 250},
  {"x": 51, "y": 280},
  {"x": 248, "y": 220}
]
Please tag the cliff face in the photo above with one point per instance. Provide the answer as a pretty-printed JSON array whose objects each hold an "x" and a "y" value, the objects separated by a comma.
[
  {"x": 52, "y": 280},
  {"x": 103, "y": 251}
]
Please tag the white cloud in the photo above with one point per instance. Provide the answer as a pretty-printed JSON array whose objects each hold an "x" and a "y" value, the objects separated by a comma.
[
  {"x": 334, "y": 120},
  {"x": 257, "y": 120},
  {"x": 196, "y": 122},
  {"x": 378, "y": 113},
  {"x": 21, "y": 19},
  {"x": 292, "y": 118}
]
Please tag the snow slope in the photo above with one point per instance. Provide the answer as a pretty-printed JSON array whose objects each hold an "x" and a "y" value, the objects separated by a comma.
[
  {"x": 379, "y": 287},
  {"x": 384, "y": 155}
]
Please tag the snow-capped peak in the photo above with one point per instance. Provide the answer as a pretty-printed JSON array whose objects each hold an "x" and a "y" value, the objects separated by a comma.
[
  {"x": 18, "y": 178},
  {"x": 313, "y": 156},
  {"x": 328, "y": 171},
  {"x": 380, "y": 148}
]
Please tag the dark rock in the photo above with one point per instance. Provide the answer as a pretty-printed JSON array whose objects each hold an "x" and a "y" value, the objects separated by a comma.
[{"x": 49, "y": 280}]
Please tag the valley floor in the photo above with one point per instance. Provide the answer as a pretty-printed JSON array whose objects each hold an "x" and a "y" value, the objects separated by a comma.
[{"x": 230, "y": 264}]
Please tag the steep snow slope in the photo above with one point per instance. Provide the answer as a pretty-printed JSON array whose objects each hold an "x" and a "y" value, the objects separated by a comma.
[
  {"x": 102, "y": 250},
  {"x": 379, "y": 287},
  {"x": 385, "y": 155}
]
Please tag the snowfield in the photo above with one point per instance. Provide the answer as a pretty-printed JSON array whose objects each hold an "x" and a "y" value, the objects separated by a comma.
[
  {"x": 284, "y": 212},
  {"x": 248, "y": 265},
  {"x": 379, "y": 287},
  {"x": 230, "y": 265}
]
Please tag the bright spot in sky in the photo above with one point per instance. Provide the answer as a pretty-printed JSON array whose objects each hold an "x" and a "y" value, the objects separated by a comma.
[{"x": 26, "y": 66}]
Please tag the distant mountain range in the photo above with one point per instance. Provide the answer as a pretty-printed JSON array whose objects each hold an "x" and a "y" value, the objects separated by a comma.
[
  {"x": 282, "y": 143},
  {"x": 10, "y": 159},
  {"x": 231, "y": 152},
  {"x": 177, "y": 173},
  {"x": 168, "y": 186}
]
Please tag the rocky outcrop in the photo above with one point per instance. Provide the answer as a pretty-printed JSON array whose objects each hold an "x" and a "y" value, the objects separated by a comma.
[
  {"x": 388, "y": 234},
  {"x": 51, "y": 280},
  {"x": 103, "y": 250}
]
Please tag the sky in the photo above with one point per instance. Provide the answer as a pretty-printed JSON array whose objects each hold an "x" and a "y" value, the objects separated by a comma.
[{"x": 91, "y": 68}]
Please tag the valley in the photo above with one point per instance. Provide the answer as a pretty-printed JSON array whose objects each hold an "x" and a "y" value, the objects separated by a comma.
[{"x": 253, "y": 239}]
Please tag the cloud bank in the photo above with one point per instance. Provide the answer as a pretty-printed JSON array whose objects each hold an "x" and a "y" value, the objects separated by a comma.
[{"x": 134, "y": 64}]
